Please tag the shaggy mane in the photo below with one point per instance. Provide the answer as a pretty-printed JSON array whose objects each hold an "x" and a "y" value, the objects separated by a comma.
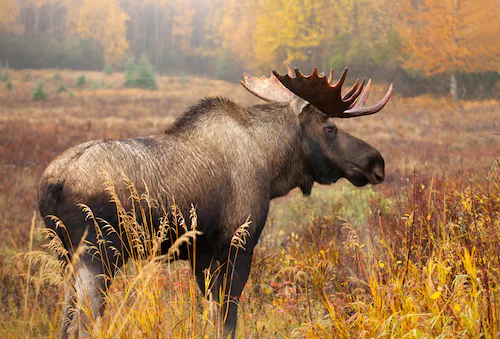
[
  {"x": 207, "y": 107},
  {"x": 219, "y": 106}
]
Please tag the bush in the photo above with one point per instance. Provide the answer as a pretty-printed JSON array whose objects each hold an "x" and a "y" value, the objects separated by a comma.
[
  {"x": 140, "y": 74},
  {"x": 97, "y": 84},
  {"x": 61, "y": 88},
  {"x": 108, "y": 70},
  {"x": 4, "y": 72},
  {"x": 9, "y": 85},
  {"x": 225, "y": 68},
  {"x": 57, "y": 76},
  {"x": 38, "y": 93},
  {"x": 80, "y": 81}
]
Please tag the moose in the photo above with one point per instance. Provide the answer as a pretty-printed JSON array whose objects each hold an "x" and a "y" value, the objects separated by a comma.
[{"x": 225, "y": 160}]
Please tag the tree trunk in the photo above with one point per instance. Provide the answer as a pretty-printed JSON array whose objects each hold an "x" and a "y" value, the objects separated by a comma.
[
  {"x": 454, "y": 86},
  {"x": 157, "y": 34},
  {"x": 37, "y": 19}
]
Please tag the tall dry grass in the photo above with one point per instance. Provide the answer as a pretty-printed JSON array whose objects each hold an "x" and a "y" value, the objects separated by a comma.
[
  {"x": 149, "y": 298},
  {"x": 425, "y": 263},
  {"x": 414, "y": 257}
]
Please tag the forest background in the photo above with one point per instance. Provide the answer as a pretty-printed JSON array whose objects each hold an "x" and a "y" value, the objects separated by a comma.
[
  {"x": 416, "y": 257},
  {"x": 447, "y": 47}
]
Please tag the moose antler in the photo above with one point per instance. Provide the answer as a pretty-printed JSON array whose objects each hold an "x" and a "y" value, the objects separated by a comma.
[
  {"x": 318, "y": 91},
  {"x": 268, "y": 89}
]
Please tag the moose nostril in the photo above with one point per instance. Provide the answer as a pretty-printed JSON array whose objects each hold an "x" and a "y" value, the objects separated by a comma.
[{"x": 378, "y": 172}]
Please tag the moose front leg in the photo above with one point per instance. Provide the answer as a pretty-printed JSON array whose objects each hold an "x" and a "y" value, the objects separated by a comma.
[
  {"x": 233, "y": 276},
  {"x": 222, "y": 278}
]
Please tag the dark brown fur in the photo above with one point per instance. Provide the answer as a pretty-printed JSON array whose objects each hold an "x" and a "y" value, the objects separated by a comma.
[{"x": 226, "y": 160}]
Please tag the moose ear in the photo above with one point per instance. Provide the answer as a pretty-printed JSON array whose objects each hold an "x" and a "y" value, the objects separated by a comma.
[{"x": 298, "y": 105}]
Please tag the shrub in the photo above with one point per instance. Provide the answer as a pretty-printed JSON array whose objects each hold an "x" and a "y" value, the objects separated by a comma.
[
  {"x": 97, "y": 84},
  {"x": 61, "y": 88},
  {"x": 9, "y": 85},
  {"x": 80, "y": 81},
  {"x": 57, "y": 76},
  {"x": 108, "y": 70},
  {"x": 38, "y": 93},
  {"x": 4, "y": 72},
  {"x": 140, "y": 74},
  {"x": 225, "y": 68}
]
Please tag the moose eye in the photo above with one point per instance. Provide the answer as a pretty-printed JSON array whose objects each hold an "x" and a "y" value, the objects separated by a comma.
[{"x": 330, "y": 129}]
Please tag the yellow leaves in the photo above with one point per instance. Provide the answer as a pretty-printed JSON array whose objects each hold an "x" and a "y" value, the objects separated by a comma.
[
  {"x": 236, "y": 28},
  {"x": 469, "y": 263},
  {"x": 436, "y": 295},
  {"x": 286, "y": 31},
  {"x": 105, "y": 22},
  {"x": 9, "y": 12},
  {"x": 182, "y": 24}
]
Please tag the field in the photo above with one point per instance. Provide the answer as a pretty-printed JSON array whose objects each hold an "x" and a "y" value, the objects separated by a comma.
[{"x": 417, "y": 256}]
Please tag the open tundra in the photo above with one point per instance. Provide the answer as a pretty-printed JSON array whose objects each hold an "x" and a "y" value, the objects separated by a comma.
[{"x": 226, "y": 160}]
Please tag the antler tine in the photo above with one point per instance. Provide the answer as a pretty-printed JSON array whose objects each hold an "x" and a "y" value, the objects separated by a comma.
[
  {"x": 364, "y": 96},
  {"x": 351, "y": 91},
  {"x": 356, "y": 94},
  {"x": 330, "y": 76},
  {"x": 359, "y": 111},
  {"x": 290, "y": 71},
  {"x": 341, "y": 80}
]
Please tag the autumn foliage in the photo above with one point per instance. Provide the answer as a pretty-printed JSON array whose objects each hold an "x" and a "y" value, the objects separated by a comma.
[
  {"x": 404, "y": 41},
  {"x": 451, "y": 36}
]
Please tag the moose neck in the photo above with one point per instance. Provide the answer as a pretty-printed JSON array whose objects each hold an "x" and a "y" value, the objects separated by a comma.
[
  {"x": 267, "y": 138},
  {"x": 282, "y": 148}
]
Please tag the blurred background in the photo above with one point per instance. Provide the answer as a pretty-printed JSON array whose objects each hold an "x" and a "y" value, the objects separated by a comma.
[
  {"x": 425, "y": 46},
  {"x": 417, "y": 255}
]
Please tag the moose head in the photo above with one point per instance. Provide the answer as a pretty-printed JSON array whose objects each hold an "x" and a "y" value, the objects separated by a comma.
[{"x": 331, "y": 153}]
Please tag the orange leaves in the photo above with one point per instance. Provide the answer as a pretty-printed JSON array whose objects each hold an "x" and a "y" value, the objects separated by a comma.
[
  {"x": 9, "y": 12},
  {"x": 452, "y": 35}
]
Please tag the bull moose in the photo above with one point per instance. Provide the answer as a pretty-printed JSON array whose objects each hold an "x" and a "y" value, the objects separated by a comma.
[{"x": 226, "y": 160}]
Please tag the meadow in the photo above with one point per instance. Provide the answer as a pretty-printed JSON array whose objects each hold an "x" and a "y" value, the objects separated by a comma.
[{"x": 417, "y": 256}]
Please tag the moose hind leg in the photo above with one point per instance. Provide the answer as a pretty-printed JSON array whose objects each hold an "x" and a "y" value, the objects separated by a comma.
[
  {"x": 91, "y": 285},
  {"x": 68, "y": 311}
]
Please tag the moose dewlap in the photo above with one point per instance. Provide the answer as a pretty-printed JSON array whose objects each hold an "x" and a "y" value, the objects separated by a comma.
[{"x": 225, "y": 160}]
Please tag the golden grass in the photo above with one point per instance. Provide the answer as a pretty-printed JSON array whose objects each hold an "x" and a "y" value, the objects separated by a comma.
[
  {"x": 426, "y": 265},
  {"x": 415, "y": 257}
]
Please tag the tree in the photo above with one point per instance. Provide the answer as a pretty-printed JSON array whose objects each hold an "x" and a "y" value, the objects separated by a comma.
[
  {"x": 9, "y": 13},
  {"x": 236, "y": 31},
  {"x": 451, "y": 36},
  {"x": 182, "y": 25},
  {"x": 287, "y": 31},
  {"x": 105, "y": 22}
]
